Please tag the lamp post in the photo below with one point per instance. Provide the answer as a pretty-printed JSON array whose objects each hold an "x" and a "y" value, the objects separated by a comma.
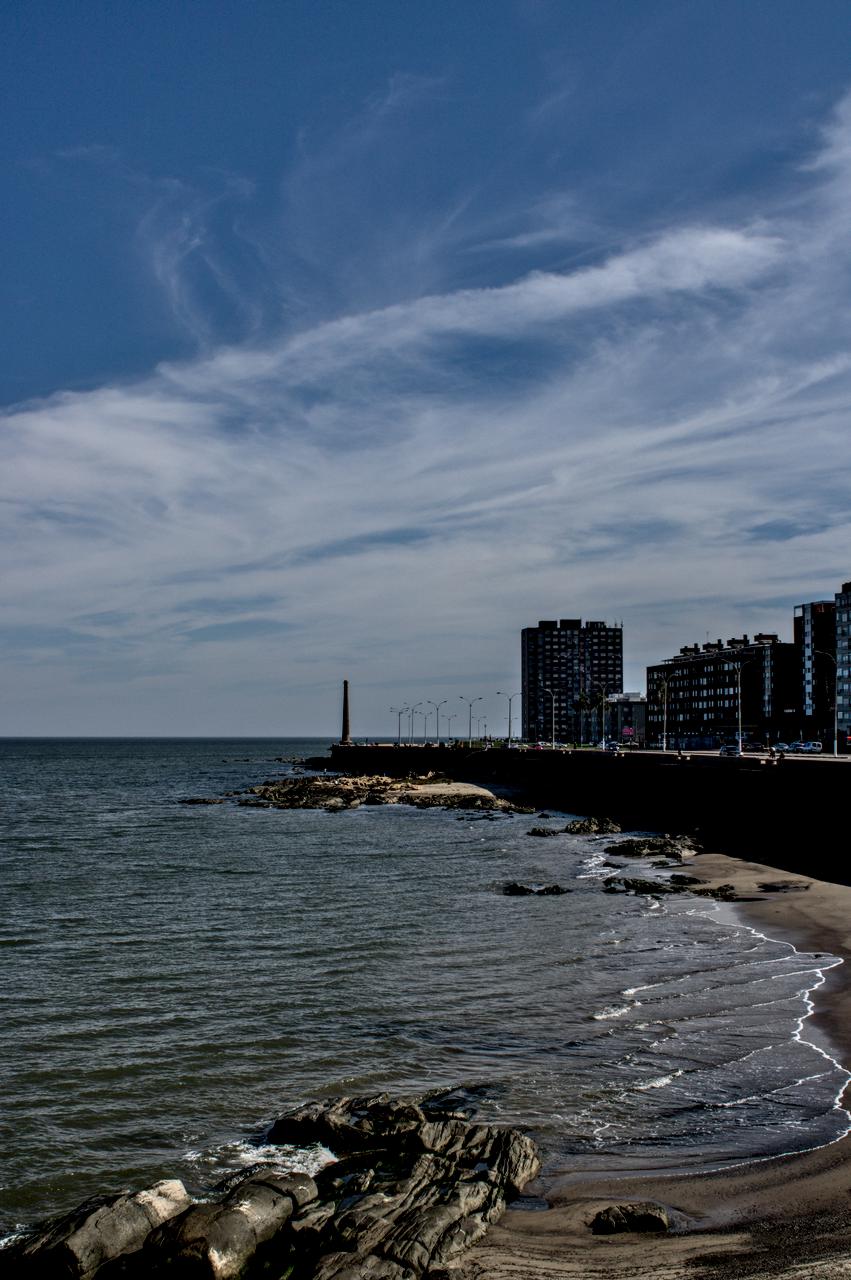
[
  {"x": 739, "y": 666},
  {"x": 510, "y": 697},
  {"x": 825, "y": 654},
  {"x": 449, "y": 720},
  {"x": 437, "y": 706},
  {"x": 399, "y": 711},
  {"x": 426, "y": 715},
  {"x": 413, "y": 711},
  {"x": 470, "y": 702},
  {"x": 553, "y": 723}
]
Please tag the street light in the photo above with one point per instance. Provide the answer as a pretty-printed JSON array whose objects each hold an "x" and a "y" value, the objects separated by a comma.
[
  {"x": 449, "y": 720},
  {"x": 553, "y": 726},
  {"x": 437, "y": 706},
  {"x": 664, "y": 686},
  {"x": 825, "y": 654},
  {"x": 470, "y": 702},
  {"x": 399, "y": 711},
  {"x": 426, "y": 715},
  {"x": 739, "y": 698},
  {"x": 413, "y": 709},
  {"x": 510, "y": 697}
]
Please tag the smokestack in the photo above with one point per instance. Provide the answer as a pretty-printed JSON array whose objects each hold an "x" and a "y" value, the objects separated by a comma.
[{"x": 346, "y": 735}]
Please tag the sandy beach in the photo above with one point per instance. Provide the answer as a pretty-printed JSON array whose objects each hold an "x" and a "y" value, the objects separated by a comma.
[{"x": 789, "y": 1216}]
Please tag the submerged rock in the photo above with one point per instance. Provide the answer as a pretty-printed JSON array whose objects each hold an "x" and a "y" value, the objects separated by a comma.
[
  {"x": 515, "y": 890},
  {"x": 544, "y": 831},
  {"x": 635, "y": 884}
]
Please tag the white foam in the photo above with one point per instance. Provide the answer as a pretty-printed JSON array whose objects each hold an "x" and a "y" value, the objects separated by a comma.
[
  {"x": 798, "y": 1033},
  {"x": 238, "y": 1155},
  {"x": 613, "y": 1011}
]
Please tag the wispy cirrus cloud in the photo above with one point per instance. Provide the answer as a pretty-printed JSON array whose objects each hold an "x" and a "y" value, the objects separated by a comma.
[{"x": 391, "y": 492}]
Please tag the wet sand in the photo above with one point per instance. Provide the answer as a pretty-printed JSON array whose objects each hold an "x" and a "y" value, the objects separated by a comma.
[{"x": 789, "y": 1216}]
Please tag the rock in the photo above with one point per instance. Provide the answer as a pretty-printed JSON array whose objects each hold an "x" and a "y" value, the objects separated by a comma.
[
  {"x": 592, "y": 827},
  {"x": 634, "y": 884},
  {"x": 202, "y": 800},
  {"x": 103, "y": 1228},
  {"x": 642, "y": 1215},
  {"x": 219, "y": 1240},
  {"x": 650, "y": 847},
  {"x": 723, "y": 892},
  {"x": 543, "y": 831},
  {"x": 683, "y": 880},
  {"x": 416, "y": 1183},
  {"x": 515, "y": 890}
]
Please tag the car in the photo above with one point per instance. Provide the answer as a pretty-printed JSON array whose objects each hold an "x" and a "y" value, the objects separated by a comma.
[
  {"x": 780, "y": 746},
  {"x": 613, "y": 746},
  {"x": 752, "y": 747},
  {"x": 796, "y": 747},
  {"x": 730, "y": 749},
  {"x": 812, "y": 748}
]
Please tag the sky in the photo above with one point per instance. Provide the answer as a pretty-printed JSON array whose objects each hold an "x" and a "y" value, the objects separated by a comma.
[{"x": 346, "y": 340}]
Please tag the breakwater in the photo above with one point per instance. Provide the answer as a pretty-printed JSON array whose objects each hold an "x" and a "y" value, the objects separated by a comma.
[{"x": 786, "y": 812}]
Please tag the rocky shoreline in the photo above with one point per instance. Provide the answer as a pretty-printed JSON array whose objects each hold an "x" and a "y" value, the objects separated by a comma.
[{"x": 411, "y": 1183}]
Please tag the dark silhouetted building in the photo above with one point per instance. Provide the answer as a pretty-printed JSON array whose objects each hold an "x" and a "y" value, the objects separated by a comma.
[
  {"x": 693, "y": 699},
  {"x": 843, "y": 665},
  {"x": 568, "y": 671},
  {"x": 815, "y": 641}
]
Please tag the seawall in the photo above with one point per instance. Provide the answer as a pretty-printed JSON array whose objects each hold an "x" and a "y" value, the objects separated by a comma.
[{"x": 790, "y": 813}]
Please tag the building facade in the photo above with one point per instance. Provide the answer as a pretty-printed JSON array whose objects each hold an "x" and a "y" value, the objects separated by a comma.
[
  {"x": 815, "y": 642},
  {"x": 699, "y": 698},
  {"x": 568, "y": 671},
  {"x": 843, "y": 666},
  {"x": 627, "y": 719}
]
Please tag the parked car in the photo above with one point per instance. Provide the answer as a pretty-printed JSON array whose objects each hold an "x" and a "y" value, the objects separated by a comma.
[
  {"x": 812, "y": 748},
  {"x": 613, "y": 746},
  {"x": 753, "y": 747},
  {"x": 796, "y": 747},
  {"x": 730, "y": 749},
  {"x": 781, "y": 746}
]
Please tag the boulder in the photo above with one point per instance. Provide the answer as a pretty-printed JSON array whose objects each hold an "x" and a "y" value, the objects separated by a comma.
[
  {"x": 417, "y": 1182},
  {"x": 592, "y": 827},
  {"x": 641, "y": 1215},
  {"x": 635, "y": 884},
  {"x": 220, "y": 1240},
  {"x": 650, "y": 847},
  {"x": 80, "y": 1243},
  {"x": 543, "y": 831}
]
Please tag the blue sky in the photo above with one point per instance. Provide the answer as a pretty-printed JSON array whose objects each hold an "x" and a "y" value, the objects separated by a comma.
[{"x": 346, "y": 340}]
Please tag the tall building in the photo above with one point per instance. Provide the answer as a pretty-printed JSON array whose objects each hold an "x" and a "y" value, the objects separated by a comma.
[
  {"x": 568, "y": 671},
  {"x": 698, "y": 698},
  {"x": 815, "y": 641},
  {"x": 843, "y": 665}
]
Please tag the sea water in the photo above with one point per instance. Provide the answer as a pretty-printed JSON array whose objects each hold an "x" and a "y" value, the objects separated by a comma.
[{"x": 175, "y": 976}]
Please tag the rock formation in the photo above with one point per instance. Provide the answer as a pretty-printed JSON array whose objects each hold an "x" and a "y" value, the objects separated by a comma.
[{"x": 414, "y": 1184}]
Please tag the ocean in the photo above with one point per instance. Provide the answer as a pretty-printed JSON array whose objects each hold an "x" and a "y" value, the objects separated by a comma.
[{"x": 175, "y": 976}]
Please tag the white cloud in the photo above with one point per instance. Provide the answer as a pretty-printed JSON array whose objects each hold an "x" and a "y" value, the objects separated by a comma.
[{"x": 405, "y": 486}]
